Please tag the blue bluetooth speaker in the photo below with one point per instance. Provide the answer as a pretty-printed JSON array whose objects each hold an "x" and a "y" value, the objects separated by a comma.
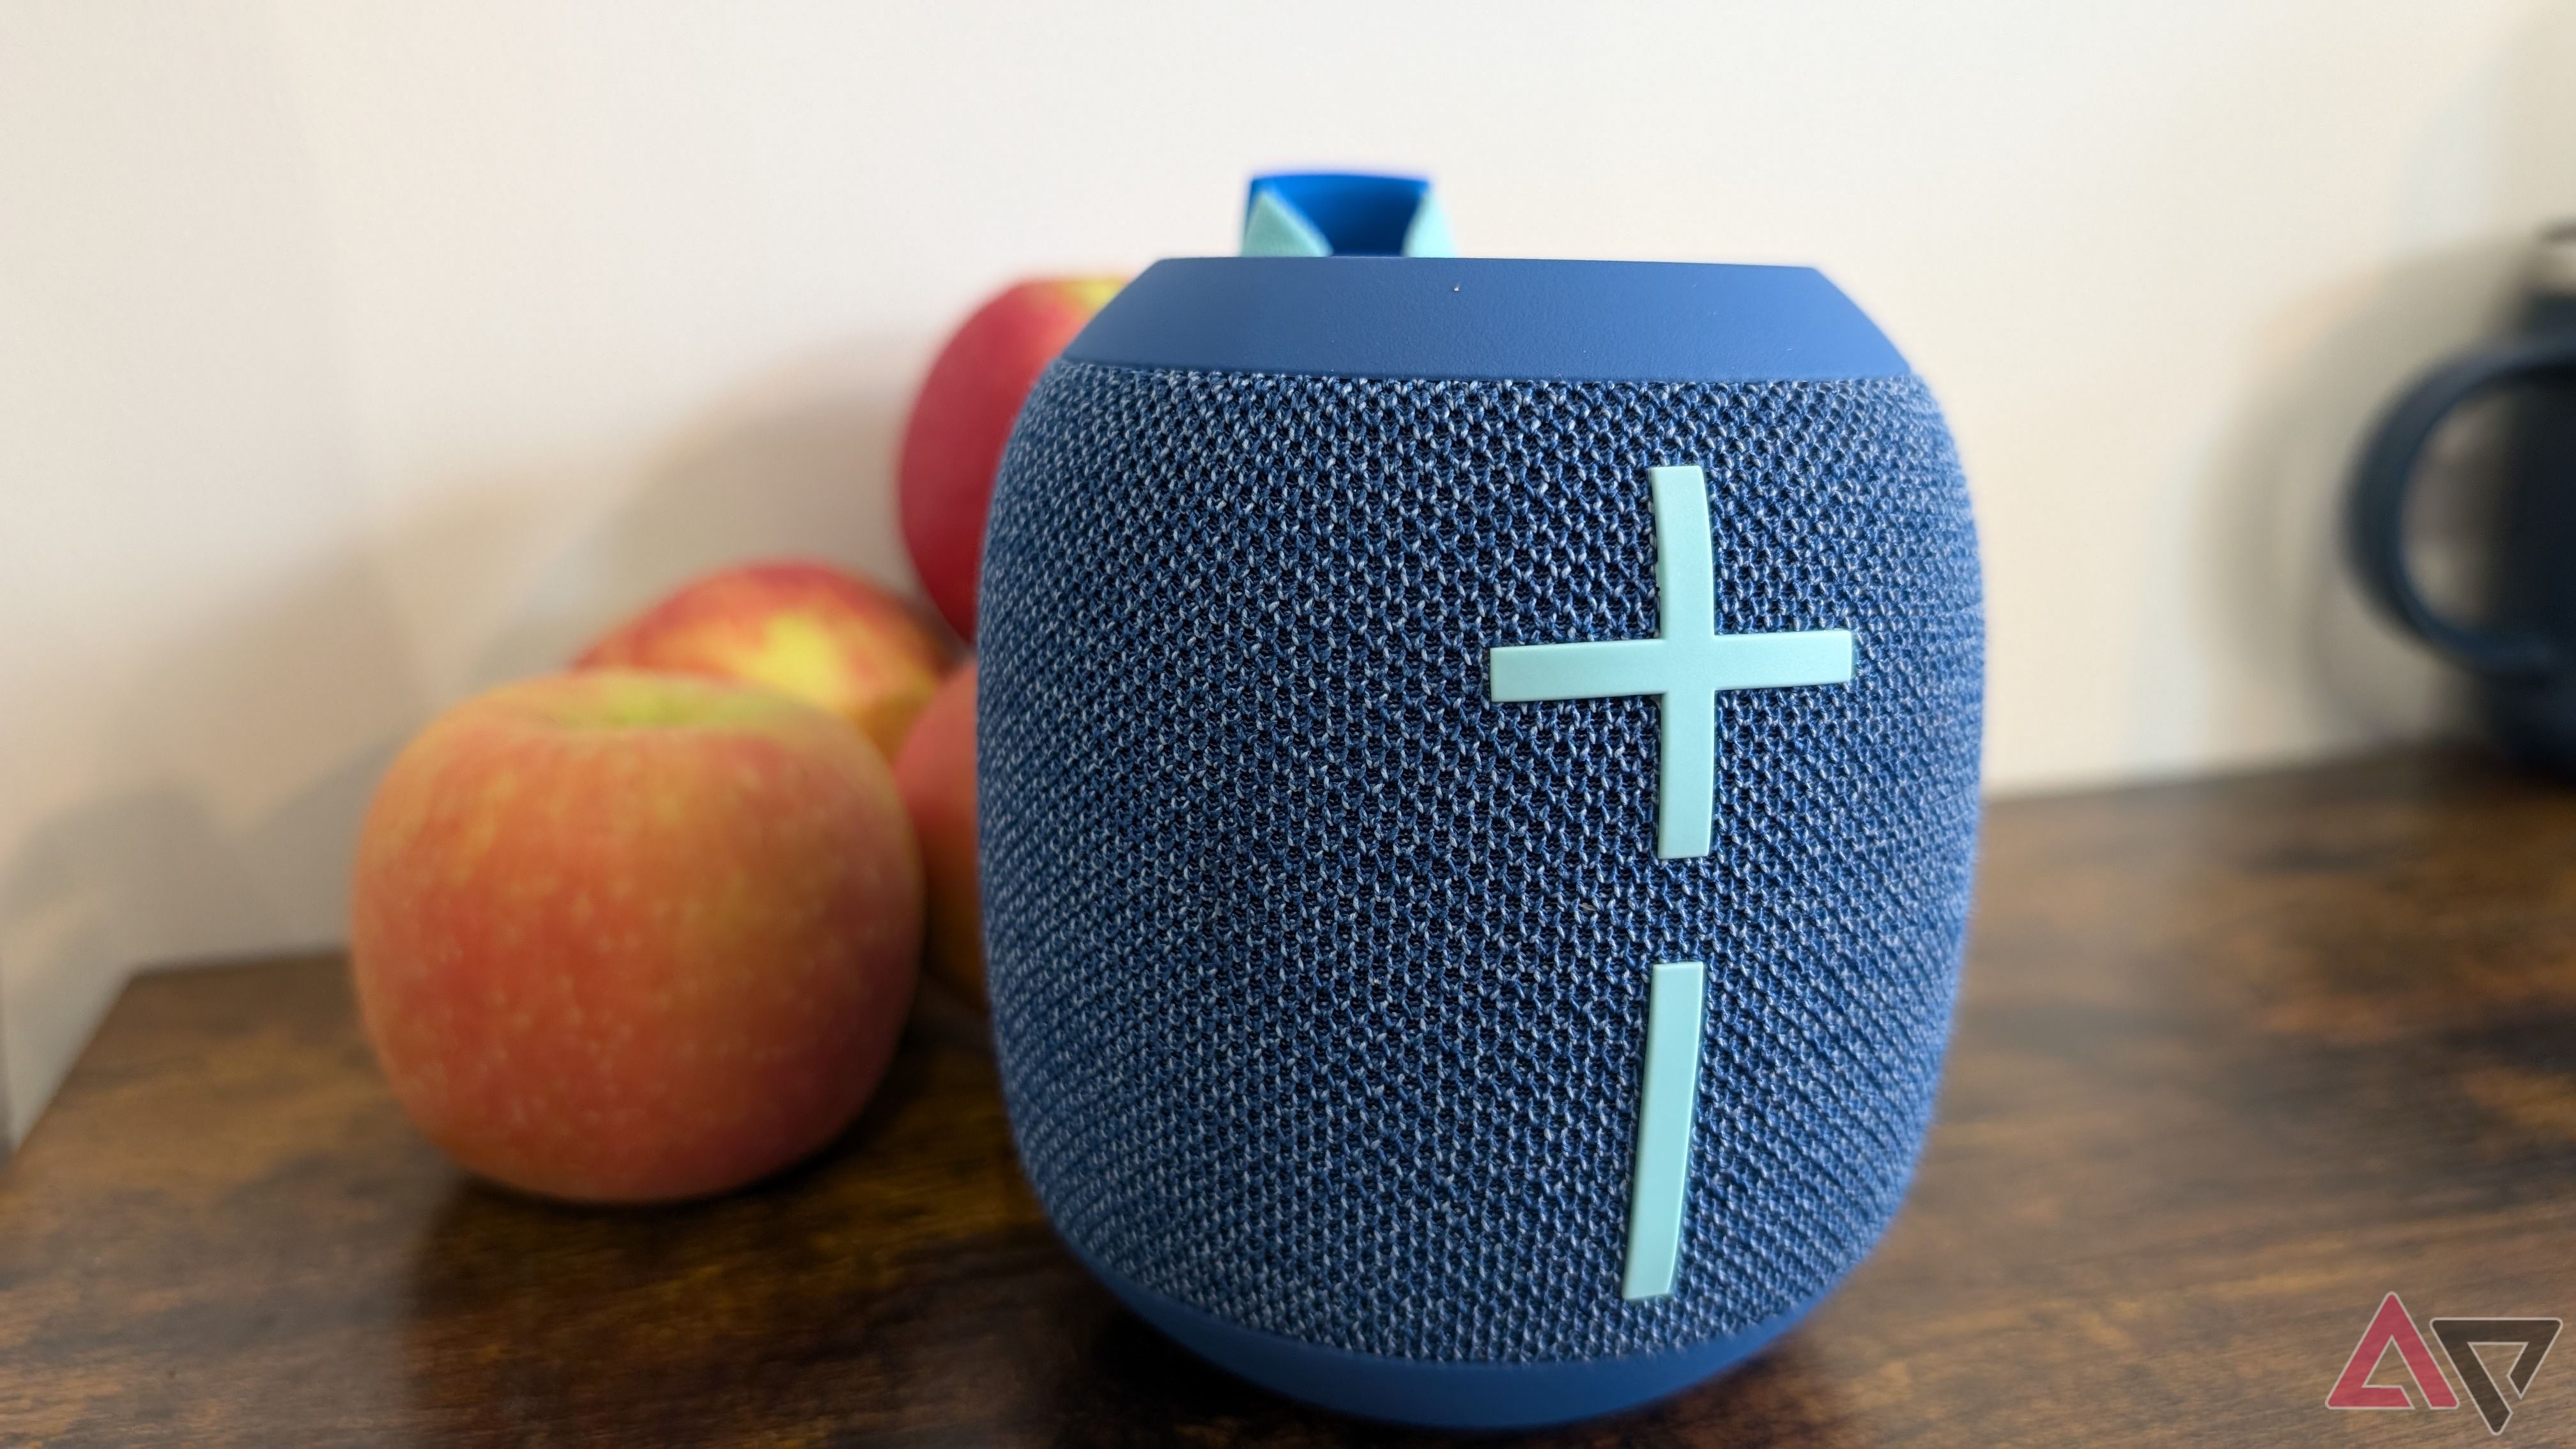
[{"x": 1479, "y": 785}]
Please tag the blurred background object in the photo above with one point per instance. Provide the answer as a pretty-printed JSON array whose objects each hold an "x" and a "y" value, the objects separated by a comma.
[
  {"x": 832, "y": 639},
  {"x": 935, "y": 770},
  {"x": 961, "y": 419},
  {"x": 357, "y": 356},
  {"x": 2518, "y": 637}
]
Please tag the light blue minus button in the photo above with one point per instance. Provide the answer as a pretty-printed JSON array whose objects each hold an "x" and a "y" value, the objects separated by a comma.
[{"x": 1674, "y": 1004}]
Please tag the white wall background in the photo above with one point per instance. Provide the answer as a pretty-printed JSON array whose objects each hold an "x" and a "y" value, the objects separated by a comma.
[{"x": 357, "y": 354}]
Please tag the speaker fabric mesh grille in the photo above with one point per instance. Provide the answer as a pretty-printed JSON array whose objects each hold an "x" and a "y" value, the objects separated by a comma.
[{"x": 1320, "y": 979}]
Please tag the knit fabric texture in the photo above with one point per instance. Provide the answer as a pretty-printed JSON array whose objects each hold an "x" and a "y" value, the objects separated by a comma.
[{"x": 1320, "y": 979}]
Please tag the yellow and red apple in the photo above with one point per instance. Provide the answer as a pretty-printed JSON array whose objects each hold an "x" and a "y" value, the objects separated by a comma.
[
  {"x": 952, "y": 443},
  {"x": 936, "y": 773},
  {"x": 809, "y": 630},
  {"x": 628, "y": 937}
]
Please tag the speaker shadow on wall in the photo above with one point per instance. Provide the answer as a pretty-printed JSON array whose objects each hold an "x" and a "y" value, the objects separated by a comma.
[
  {"x": 797, "y": 461},
  {"x": 2275, "y": 584},
  {"x": 2269, "y": 533}
]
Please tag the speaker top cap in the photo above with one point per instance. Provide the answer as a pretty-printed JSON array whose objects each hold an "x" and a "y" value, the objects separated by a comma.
[{"x": 1488, "y": 317}]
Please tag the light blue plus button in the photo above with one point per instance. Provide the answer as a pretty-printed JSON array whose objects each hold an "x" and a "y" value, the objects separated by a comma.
[{"x": 1684, "y": 666}]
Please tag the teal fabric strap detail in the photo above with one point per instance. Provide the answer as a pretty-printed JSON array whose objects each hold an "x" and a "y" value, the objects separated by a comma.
[
  {"x": 1327, "y": 214},
  {"x": 1675, "y": 1002},
  {"x": 1427, "y": 235},
  {"x": 1273, "y": 228},
  {"x": 1684, "y": 666}
]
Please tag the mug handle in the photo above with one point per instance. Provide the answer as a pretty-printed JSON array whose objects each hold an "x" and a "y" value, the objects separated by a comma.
[{"x": 2378, "y": 505}]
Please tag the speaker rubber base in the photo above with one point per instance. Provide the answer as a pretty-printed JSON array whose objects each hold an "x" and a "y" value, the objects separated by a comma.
[{"x": 1444, "y": 1395}]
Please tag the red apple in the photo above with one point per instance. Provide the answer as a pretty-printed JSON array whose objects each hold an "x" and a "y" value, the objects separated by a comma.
[
  {"x": 625, "y": 937},
  {"x": 952, "y": 445},
  {"x": 936, "y": 773},
  {"x": 805, "y": 629}
]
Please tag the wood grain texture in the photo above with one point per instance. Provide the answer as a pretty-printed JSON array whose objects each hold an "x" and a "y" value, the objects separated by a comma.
[{"x": 2233, "y": 1060}]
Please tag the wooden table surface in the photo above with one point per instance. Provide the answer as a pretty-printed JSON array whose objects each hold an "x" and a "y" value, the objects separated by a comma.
[{"x": 2233, "y": 1060}]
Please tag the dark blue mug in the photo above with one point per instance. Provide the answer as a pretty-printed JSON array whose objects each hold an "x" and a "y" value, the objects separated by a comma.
[{"x": 2524, "y": 654}]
